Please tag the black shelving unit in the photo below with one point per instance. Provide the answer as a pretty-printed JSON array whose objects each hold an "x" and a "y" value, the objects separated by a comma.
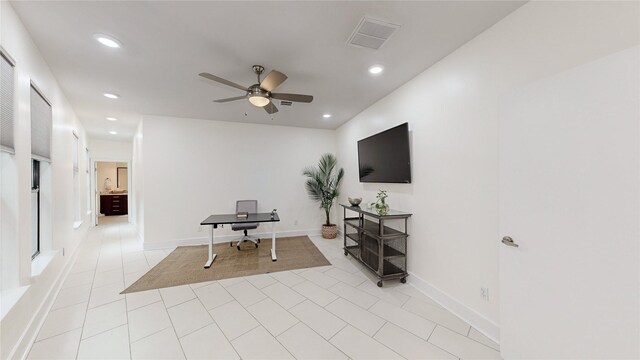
[{"x": 381, "y": 248}]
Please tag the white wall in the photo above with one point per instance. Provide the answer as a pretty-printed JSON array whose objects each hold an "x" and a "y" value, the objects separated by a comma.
[
  {"x": 110, "y": 149},
  {"x": 452, "y": 109},
  {"x": 212, "y": 164},
  {"x": 59, "y": 239},
  {"x": 136, "y": 193},
  {"x": 573, "y": 207}
]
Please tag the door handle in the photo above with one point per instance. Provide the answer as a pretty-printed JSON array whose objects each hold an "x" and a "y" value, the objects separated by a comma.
[{"x": 507, "y": 240}]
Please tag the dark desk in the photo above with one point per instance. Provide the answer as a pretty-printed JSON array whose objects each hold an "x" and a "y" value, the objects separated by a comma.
[{"x": 215, "y": 220}]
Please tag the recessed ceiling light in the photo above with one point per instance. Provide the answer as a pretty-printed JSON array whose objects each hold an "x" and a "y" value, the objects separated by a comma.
[
  {"x": 111, "y": 118},
  {"x": 111, "y": 96},
  {"x": 376, "y": 69},
  {"x": 107, "y": 40},
  {"x": 326, "y": 116},
  {"x": 113, "y": 132}
]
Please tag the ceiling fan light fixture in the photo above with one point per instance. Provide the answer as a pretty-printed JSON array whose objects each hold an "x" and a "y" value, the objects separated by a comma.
[
  {"x": 257, "y": 96},
  {"x": 258, "y": 100}
]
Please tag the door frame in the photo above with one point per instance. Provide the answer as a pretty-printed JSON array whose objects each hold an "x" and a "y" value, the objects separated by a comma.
[{"x": 94, "y": 186}]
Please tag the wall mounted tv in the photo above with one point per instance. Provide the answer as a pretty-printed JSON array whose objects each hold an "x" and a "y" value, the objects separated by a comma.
[{"x": 384, "y": 157}]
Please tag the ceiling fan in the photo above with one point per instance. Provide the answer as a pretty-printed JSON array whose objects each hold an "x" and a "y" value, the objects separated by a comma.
[{"x": 260, "y": 94}]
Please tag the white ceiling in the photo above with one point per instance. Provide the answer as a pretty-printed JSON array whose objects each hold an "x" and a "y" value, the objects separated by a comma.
[{"x": 166, "y": 44}]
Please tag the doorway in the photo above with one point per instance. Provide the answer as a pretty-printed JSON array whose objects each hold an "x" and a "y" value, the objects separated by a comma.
[{"x": 112, "y": 192}]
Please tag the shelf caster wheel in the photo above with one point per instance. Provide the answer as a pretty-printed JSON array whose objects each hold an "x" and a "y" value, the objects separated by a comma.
[
  {"x": 238, "y": 247},
  {"x": 379, "y": 283},
  {"x": 256, "y": 246},
  {"x": 403, "y": 280},
  {"x": 346, "y": 253}
]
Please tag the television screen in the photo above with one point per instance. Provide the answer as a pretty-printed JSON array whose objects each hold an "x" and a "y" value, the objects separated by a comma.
[{"x": 384, "y": 157}]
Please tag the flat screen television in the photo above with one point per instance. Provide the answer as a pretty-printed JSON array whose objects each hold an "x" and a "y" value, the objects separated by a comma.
[{"x": 384, "y": 157}]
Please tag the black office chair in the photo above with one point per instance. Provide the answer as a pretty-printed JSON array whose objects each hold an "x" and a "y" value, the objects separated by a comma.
[{"x": 251, "y": 207}]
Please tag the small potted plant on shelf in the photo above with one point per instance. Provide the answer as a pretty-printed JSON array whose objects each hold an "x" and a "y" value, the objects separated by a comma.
[
  {"x": 323, "y": 186},
  {"x": 382, "y": 208}
]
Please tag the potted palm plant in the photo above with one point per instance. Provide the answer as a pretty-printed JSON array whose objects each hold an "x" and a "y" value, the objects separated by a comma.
[{"x": 323, "y": 186}]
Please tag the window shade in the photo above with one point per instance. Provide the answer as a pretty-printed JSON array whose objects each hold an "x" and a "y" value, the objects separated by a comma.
[
  {"x": 41, "y": 119},
  {"x": 6, "y": 105},
  {"x": 76, "y": 177},
  {"x": 76, "y": 150}
]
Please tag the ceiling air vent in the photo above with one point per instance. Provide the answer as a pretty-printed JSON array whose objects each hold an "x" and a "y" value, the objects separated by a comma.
[
  {"x": 371, "y": 33},
  {"x": 285, "y": 103}
]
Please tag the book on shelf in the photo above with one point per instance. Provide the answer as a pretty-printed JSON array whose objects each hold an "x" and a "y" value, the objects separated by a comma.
[{"x": 242, "y": 215}]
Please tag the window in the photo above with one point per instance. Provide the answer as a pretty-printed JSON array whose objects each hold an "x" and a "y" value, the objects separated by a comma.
[
  {"x": 77, "y": 217},
  {"x": 88, "y": 180},
  {"x": 35, "y": 208},
  {"x": 41, "y": 119},
  {"x": 6, "y": 102}
]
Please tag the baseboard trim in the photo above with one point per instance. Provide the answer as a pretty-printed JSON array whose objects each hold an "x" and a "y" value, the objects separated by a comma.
[
  {"x": 159, "y": 245},
  {"x": 472, "y": 317},
  {"x": 140, "y": 238},
  {"x": 30, "y": 333}
]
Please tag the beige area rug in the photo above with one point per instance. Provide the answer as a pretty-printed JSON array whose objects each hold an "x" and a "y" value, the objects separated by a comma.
[{"x": 185, "y": 264}]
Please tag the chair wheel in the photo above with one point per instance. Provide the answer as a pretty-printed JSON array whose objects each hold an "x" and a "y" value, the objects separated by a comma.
[
  {"x": 238, "y": 247},
  {"x": 256, "y": 246},
  {"x": 230, "y": 244},
  {"x": 379, "y": 283},
  {"x": 346, "y": 253},
  {"x": 403, "y": 280},
  {"x": 258, "y": 241}
]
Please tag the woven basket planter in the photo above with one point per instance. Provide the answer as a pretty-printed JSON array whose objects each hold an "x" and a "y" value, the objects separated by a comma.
[{"x": 329, "y": 231}]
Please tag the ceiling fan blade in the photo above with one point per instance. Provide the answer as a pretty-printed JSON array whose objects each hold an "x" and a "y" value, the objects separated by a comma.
[
  {"x": 271, "y": 108},
  {"x": 230, "y": 99},
  {"x": 222, "y": 81},
  {"x": 292, "y": 97},
  {"x": 273, "y": 80}
]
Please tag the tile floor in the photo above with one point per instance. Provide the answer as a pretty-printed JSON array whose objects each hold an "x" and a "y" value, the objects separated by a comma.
[{"x": 331, "y": 312}]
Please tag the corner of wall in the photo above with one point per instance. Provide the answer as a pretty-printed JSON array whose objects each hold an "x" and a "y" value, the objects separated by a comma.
[{"x": 137, "y": 180}]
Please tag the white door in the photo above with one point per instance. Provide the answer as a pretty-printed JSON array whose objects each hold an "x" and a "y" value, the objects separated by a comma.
[{"x": 569, "y": 197}]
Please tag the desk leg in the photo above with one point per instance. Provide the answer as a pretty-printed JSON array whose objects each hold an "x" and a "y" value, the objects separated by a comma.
[
  {"x": 212, "y": 256},
  {"x": 273, "y": 241}
]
